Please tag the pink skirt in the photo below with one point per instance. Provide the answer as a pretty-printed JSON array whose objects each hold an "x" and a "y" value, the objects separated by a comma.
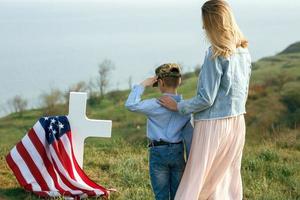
[{"x": 213, "y": 170}]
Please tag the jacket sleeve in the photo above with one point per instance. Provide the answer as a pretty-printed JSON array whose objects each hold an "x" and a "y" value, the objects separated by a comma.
[
  {"x": 134, "y": 102},
  {"x": 248, "y": 81},
  {"x": 208, "y": 86}
]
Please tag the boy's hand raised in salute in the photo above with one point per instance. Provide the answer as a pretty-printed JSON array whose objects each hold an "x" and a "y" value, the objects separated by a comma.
[{"x": 149, "y": 81}]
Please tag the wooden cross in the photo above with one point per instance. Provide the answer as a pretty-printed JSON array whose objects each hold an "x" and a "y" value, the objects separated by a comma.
[{"x": 83, "y": 127}]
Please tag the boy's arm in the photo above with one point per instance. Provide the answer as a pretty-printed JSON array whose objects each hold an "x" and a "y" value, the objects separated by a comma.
[{"x": 134, "y": 102}]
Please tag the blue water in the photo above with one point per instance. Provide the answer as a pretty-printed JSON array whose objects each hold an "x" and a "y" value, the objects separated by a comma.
[{"x": 53, "y": 44}]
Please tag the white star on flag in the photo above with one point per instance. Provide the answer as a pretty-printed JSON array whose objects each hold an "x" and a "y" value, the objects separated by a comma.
[{"x": 61, "y": 126}]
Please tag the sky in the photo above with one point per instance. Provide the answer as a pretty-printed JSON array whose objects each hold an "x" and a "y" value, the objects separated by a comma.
[{"x": 56, "y": 43}]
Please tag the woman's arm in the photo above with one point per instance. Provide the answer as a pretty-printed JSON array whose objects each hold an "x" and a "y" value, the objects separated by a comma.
[{"x": 210, "y": 78}]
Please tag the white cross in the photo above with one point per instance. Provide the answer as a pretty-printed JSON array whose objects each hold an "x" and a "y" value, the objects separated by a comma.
[{"x": 83, "y": 127}]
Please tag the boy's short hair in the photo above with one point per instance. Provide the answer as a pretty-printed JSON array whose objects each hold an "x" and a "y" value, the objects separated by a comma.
[
  {"x": 170, "y": 73},
  {"x": 173, "y": 82}
]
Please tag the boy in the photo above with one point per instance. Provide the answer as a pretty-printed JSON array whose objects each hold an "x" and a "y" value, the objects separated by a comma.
[{"x": 166, "y": 131}]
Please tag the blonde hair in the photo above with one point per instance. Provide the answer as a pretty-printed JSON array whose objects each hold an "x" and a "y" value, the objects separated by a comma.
[{"x": 221, "y": 28}]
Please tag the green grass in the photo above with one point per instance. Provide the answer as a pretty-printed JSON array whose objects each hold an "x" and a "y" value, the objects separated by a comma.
[{"x": 271, "y": 161}]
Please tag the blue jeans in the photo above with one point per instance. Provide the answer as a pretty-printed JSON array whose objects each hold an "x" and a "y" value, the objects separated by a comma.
[{"x": 166, "y": 165}]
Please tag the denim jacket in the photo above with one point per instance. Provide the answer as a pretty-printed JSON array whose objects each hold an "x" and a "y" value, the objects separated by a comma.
[{"x": 222, "y": 88}]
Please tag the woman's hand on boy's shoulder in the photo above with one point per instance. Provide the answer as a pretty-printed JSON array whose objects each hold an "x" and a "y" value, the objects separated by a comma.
[
  {"x": 149, "y": 81},
  {"x": 168, "y": 102}
]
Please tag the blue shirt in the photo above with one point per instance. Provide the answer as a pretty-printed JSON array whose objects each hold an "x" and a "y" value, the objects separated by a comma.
[
  {"x": 162, "y": 124},
  {"x": 222, "y": 87}
]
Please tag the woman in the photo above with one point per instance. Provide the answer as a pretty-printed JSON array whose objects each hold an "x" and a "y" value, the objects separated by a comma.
[{"x": 213, "y": 168}]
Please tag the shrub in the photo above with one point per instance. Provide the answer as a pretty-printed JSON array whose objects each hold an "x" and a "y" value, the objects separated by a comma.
[
  {"x": 18, "y": 104},
  {"x": 53, "y": 103},
  {"x": 117, "y": 96},
  {"x": 291, "y": 98}
]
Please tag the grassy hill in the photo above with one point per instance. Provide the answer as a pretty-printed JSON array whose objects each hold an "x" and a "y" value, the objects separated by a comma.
[
  {"x": 294, "y": 48},
  {"x": 271, "y": 159}
]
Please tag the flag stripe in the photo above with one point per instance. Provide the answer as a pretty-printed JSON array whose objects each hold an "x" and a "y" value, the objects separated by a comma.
[
  {"x": 71, "y": 183},
  {"x": 29, "y": 178},
  {"x": 44, "y": 147},
  {"x": 47, "y": 163},
  {"x": 63, "y": 177},
  {"x": 51, "y": 180},
  {"x": 17, "y": 172},
  {"x": 85, "y": 178},
  {"x": 63, "y": 158},
  {"x": 38, "y": 162},
  {"x": 65, "y": 182},
  {"x": 32, "y": 167},
  {"x": 65, "y": 144}
]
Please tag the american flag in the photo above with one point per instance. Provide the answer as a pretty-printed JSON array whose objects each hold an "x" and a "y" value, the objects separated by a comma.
[{"x": 44, "y": 162}]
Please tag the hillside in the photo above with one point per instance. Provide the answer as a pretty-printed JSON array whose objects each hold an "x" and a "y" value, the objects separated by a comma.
[
  {"x": 293, "y": 48},
  {"x": 271, "y": 159}
]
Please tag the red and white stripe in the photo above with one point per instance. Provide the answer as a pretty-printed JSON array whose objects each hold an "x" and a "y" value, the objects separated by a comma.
[{"x": 50, "y": 170}]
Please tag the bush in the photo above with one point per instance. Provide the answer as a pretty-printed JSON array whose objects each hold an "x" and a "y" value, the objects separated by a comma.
[
  {"x": 94, "y": 99},
  {"x": 18, "y": 104},
  {"x": 265, "y": 113},
  {"x": 117, "y": 96},
  {"x": 291, "y": 98},
  {"x": 53, "y": 103}
]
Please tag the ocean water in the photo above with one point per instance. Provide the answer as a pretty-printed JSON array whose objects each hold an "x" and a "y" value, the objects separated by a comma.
[{"x": 53, "y": 44}]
